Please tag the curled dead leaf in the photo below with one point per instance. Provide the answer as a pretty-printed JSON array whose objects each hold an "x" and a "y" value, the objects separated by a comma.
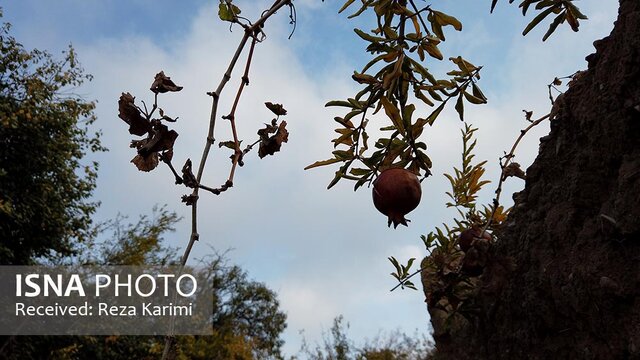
[
  {"x": 146, "y": 162},
  {"x": 162, "y": 139},
  {"x": 163, "y": 84},
  {"x": 269, "y": 145},
  {"x": 128, "y": 112},
  {"x": 187, "y": 175},
  {"x": 276, "y": 108},
  {"x": 513, "y": 169}
]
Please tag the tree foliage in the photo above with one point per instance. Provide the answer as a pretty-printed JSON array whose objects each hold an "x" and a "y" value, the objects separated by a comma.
[
  {"x": 118, "y": 242},
  {"x": 403, "y": 42},
  {"x": 395, "y": 345},
  {"x": 45, "y": 189},
  {"x": 247, "y": 321},
  {"x": 395, "y": 80}
]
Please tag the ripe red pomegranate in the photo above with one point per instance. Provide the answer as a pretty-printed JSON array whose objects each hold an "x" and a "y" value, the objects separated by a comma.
[
  {"x": 467, "y": 237},
  {"x": 396, "y": 192}
]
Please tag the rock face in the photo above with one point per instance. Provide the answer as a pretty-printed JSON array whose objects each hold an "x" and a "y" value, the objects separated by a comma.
[{"x": 574, "y": 234}]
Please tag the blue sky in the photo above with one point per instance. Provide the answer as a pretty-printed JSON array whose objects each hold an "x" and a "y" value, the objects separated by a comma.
[{"x": 324, "y": 252}]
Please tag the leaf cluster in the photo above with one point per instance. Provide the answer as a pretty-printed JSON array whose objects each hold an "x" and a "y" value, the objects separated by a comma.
[
  {"x": 336, "y": 345},
  {"x": 247, "y": 318},
  {"x": 244, "y": 311},
  {"x": 465, "y": 183},
  {"x": 403, "y": 41},
  {"x": 445, "y": 262},
  {"x": 564, "y": 10},
  {"x": 157, "y": 145},
  {"x": 159, "y": 140}
]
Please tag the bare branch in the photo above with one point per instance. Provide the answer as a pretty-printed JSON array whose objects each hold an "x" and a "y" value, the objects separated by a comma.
[{"x": 504, "y": 163}]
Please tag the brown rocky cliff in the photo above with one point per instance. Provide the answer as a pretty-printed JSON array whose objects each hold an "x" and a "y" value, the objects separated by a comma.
[{"x": 574, "y": 233}]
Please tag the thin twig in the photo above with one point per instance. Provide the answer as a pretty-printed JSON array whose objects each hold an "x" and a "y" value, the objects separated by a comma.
[
  {"x": 249, "y": 32},
  {"x": 173, "y": 170},
  {"x": 417, "y": 13},
  {"x": 403, "y": 281},
  {"x": 503, "y": 165},
  {"x": 232, "y": 116}
]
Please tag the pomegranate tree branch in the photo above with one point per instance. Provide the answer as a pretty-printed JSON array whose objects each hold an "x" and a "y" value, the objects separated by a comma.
[
  {"x": 250, "y": 31},
  {"x": 232, "y": 116},
  {"x": 504, "y": 163},
  {"x": 403, "y": 281}
]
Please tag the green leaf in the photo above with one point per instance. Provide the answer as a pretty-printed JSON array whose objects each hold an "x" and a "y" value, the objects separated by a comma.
[
  {"x": 545, "y": 3},
  {"x": 472, "y": 99},
  {"x": 228, "y": 12},
  {"x": 361, "y": 182},
  {"x": 460, "y": 107},
  {"x": 418, "y": 127},
  {"x": 361, "y": 10},
  {"x": 228, "y": 144},
  {"x": 350, "y": 115},
  {"x": 576, "y": 12},
  {"x": 355, "y": 104},
  {"x": 410, "y": 262},
  {"x": 346, "y": 5},
  {"x": 407, "y": 114},
  {"x": 525, "y": 5},
  {"x": 373, "y": 62},
  {"x": 343, "y": 154},
  {"x": 368, "y": 37},
  {"x": 360, "y": 172},
  {"x": 432, "y": 49},
  {"x": 339, "y": 103},
  {"x": 389, "y": 32},
  {"x": 437, "y": 29},
  {"x": 444, "y": 20},
  {"x": 477, "y": 92},
  {"x": 493, "y": 4},
  {"x": 224, "y": 13},
  {"x": 410, "y": 285},
  {"x": 323, "y": 163},
  {"x": 393, "y": 113},
  {"x": 425, "y": 161},
  {"x": 538, "y": 19},
  {"x": 395, "y": 264},
  {"x": 346, "y": 123},
  {"x": 432, "y": 117},
  {"x": 335, "y": 180},
  {"x": 557, "y": 21},
  {"x": 434, "y": 95},
  {"x": 344, "y": 139},
  {"x": 420, "y": 95},
  {"x": 419, "y": 68}
]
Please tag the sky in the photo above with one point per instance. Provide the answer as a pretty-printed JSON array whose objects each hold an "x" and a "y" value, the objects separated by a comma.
[{"x": 323, "y": 251}]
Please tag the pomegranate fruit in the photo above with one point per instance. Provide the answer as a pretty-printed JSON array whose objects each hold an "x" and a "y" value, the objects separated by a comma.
[
  {"x": 467, "y": 237},
  {"x": 396, "y": 192}
]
